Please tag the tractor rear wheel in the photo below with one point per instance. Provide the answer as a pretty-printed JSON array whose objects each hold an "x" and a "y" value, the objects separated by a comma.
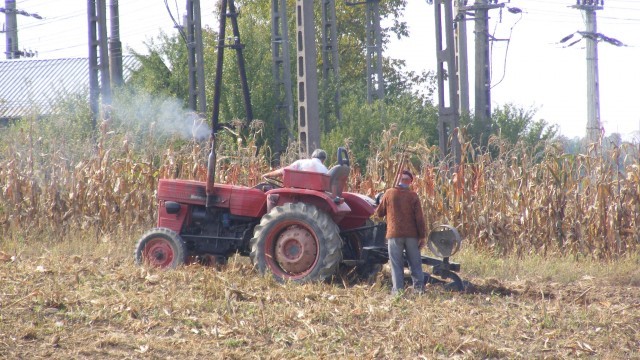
[
  {"x": 298, "y": 242},
  {"x": 161, "y": 248}
]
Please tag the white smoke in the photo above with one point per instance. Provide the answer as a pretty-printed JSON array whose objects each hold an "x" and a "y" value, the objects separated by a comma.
[{"x": 168, "y": 115}]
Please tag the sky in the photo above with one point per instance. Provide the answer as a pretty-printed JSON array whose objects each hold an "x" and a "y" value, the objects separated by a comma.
[
  {"x": 539, "y": 73},
  {"x": 531, "y": 70}
]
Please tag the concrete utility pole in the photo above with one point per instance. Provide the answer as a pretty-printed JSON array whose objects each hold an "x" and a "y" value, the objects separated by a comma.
[
  {"x": 97, "y": 21},
  {"x": 375, "y": 80},
  {"x": 281, "y": 68},
  {"x": 448, "y": 101},
  {"x": 330, "y": 63},
  {"x": 12, "y": 30},
  {"x": 11, "y": 22},
  {"x": 308, "y": 112},
  {"x": 594, "y": 127},
  {"x": 105, "y": 78},
  {"x": 483, "y": 65},
  {"x": 193, "y": 24},
  {"x": 94, "y": 69},
  {"x": 115, "y": 46},
  {"x": 373, "y": 31},
  {"x": 460, "y": 39}
]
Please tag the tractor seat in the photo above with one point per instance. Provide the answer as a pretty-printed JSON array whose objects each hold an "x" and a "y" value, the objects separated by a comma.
[{"x": 338, "y": 176}]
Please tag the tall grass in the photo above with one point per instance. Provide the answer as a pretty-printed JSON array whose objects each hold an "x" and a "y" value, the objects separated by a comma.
[{"x": 509, "y": 201}]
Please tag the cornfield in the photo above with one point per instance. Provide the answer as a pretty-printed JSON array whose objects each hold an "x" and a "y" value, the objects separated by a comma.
[{"x": 509, "y": 201}]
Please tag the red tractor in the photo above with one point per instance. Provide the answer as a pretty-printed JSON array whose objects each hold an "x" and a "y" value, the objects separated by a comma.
[
  {"x": 301, "y": 229},
  {"x": 305, "y": 228},
  {"x": 291, "y": 229}
]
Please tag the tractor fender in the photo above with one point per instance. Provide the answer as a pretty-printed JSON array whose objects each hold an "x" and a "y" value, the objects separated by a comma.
[
  {"x": 336, "y": 208},
  {"x": 362, "y": 207}
]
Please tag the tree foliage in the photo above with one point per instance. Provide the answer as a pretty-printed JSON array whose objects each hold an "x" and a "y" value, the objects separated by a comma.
[{"x": 409, "y": 96}]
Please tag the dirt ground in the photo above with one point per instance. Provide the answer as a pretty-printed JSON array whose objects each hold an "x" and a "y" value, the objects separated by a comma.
[{"x": 84, "y": 307}]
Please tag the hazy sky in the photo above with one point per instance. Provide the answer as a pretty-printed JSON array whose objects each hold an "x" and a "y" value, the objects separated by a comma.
[
  {"x": 540, "y": 73},
  {"x": 535, "y": 70}
]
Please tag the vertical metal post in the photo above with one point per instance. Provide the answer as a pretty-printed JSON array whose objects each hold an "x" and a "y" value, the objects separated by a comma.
[
  {"x": 281, "y": 68},
  {"x": 375, "y": 80},
  {"x": 330, "y": 61},
  {"x": 308, "y": 119},
  {"x": 449, "y": 118}
]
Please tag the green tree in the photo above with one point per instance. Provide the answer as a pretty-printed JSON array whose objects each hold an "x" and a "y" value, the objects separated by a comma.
[
  {"x": 408, "y": 102},
  {"x": 515, "y": 123},
  {"x": 164, "y": 70}
]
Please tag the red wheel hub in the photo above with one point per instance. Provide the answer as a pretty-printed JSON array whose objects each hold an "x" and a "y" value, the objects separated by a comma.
[
  {"x": 296, "y": 250},
  {"x": 158, "y": 252}
]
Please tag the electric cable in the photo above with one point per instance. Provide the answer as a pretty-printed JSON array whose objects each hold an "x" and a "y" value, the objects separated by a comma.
[
  {"x": 180, "y": 29},
  {"x": 506, "y": 52}
]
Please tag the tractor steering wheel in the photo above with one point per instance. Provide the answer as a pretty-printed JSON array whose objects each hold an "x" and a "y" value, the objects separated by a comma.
[{"x": 273, "y": 181}]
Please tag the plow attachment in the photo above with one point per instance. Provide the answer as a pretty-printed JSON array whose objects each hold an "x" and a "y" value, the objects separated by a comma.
[{"x": 444, "y": 241}]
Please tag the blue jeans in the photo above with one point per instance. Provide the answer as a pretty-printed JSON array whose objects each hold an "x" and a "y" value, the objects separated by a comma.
[{"x": 397, "y": 248}]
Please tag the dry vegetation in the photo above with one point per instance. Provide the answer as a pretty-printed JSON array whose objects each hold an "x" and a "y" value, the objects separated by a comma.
[
  {"x": 82, "y": 299},
  {"x": 551, "y": 251},
  {"x": 512, "y": 201}
]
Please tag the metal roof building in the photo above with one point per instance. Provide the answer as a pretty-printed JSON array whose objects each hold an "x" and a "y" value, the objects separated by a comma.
[{"x": 32, "y": 86}]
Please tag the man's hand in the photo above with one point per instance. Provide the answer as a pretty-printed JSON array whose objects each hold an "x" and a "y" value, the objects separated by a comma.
[{"x": 421, "y": 243}]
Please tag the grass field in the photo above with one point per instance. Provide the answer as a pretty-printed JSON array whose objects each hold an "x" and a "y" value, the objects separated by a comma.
[{"x": 81, "y": 298}]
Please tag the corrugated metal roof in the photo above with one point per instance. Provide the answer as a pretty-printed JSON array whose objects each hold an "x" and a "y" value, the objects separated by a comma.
[{"x": 33, "y": 85}]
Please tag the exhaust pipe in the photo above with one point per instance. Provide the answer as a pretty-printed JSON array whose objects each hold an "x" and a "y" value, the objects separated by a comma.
[{"x": 211, "y": 172}]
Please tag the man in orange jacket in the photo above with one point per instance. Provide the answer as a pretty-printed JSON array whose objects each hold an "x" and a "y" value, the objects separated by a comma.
[{"x": 406, "y": 232}]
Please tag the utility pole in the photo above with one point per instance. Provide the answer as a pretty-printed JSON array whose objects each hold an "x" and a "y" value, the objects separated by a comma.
[
  {"x": 94, "y": 69},
  {"x": 482, "y": 65},
  {"x": 99, "y": 79},
  {"x": 375, "y": 80},
  {"x": 193, "y": 23},
  {"x": 12, "y": 30},
  {"x": 460, "y": 39},
  {"x": 448, "y": 101},
  {"x": 105, "y": 79},
  {"x": 11, "y": 21},
  {"x": 589, "y": 8},
  {"x": 373, "y": 31},
  {"x": 330, "y": 63},
  {"x": 228, "y": 10},
  {"x": 308, "y": 113},
  {"x": 281, "y": 68},
  {"x": 115, "y": 46},
  {"x": 483, "y": 70}
]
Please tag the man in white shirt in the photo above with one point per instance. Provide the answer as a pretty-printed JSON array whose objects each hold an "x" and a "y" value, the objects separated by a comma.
[{"x": 315, "y": 164}]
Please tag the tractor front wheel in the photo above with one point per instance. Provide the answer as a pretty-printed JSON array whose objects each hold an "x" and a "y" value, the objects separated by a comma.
[
  {"x": 297, "y": 242},
  {"x": 160, "y": 248}
]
